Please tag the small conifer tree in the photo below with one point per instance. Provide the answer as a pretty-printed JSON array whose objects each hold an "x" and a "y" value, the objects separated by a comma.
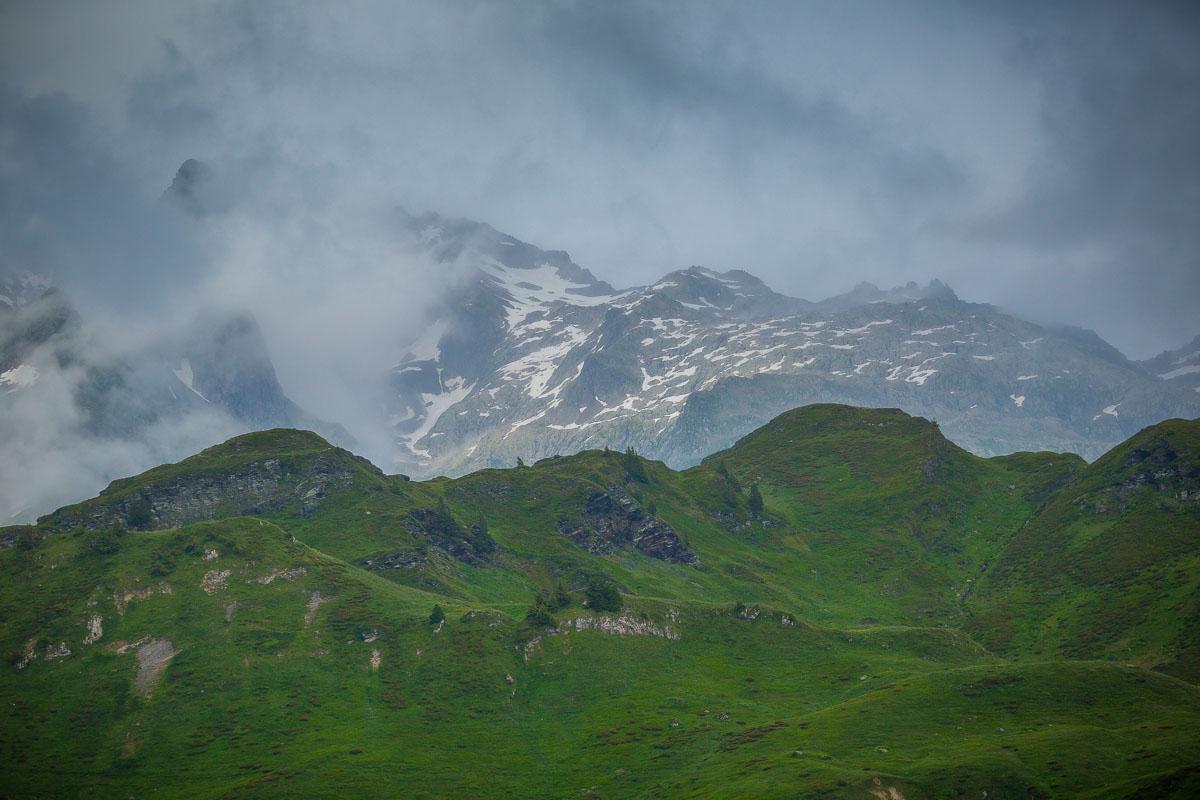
[{"x": 756, "y": 501}]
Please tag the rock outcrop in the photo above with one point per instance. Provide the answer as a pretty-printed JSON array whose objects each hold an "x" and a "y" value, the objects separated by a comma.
[
  {"x": 438, "y": 528},
  {"x": 613, "y": 519},
  {"x": 618, "y": 626},
  {"x": 275, "y": 484}
]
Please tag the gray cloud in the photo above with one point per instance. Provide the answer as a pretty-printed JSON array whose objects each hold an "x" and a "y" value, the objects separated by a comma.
[
  {"x": 1043, "y": 156},
  {"x": 1110, "y": 212}
]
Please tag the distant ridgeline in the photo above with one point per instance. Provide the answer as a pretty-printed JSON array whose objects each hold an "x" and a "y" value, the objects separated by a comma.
[
  {"x": 842, "y": 604},
  {"x": 531, "y": 355},
  {"x": 527, "y": 354}
]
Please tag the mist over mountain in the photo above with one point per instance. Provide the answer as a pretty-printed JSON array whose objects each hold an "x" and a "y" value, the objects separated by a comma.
[
  {"x": 523, "y": 354},
  {"x": 1180, "y": 366},
  {"x": 79, "y": 408},
  {"x": 533, "y": 356}
]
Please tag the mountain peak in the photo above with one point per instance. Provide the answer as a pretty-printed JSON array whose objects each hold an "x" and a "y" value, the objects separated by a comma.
[
  {"x": 866, "y": 293},
  {"x": 734, "y": 293},
  {"x": 281, "y": 469},
  {"x": 191, "y": 187},
  {"x": 451, "y": 239}
]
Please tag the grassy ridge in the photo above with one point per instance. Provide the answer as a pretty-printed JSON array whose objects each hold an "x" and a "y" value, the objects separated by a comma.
[
  {"x": 902, "y": 615},
  {"x": 1111, "y": 566}
]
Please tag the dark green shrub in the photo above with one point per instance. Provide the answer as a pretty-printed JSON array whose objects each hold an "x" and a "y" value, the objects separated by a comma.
[
  {"x": 756, "y": 501},
  {"x": 602, "y": 595},
  {"x": 561, "y": 598},
  {"x": 27, "y": 538},
  {"x": 539, "y": 613},
  {"x": 137, "y": 512},
  {"x": 635, "y": 469},
  {"x": 162, "y": 562},
  {"x": 105, "y": 541}
]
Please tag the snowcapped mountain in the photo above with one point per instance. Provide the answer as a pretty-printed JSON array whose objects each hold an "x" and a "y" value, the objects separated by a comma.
[
  {"x": 528, "y": 355},
  {"x": 32, "y": 313},
  {"x": 1180, "y": 367},
  {"x": 20, "y": 289},
  {"x": 531, "y": 355},
  {"x": 220, "y": 361}
]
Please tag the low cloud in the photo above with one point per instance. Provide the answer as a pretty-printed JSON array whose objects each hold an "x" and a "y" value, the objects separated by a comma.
[{"x": 54, "y": 453}]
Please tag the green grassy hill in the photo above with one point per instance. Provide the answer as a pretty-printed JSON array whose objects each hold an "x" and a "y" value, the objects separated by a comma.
[
  {"x": 1110, "y": 567},
  {"x": 899, "y": 619},
  {"x": 894, "y": 521}
]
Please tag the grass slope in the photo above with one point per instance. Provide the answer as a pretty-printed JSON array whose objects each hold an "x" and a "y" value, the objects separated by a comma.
[
  {"x": 894, "y": 521},
  {"x": 821, "y": 648},
  {"x": 1110, "y": 567}
]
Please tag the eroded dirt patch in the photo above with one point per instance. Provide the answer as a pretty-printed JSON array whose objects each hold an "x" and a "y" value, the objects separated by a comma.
[
  {"x": 314, "y": 602},
  {"x": 886, "y": 792},
  {"x": 95, "y": 629},
  {"x": 214, "y": 580},
  {"x": 123, "y": 597},
  {"x": 282, "y": 574},
  {"x": 619, "y": 626},
  {"x": 152, "y": 659}
]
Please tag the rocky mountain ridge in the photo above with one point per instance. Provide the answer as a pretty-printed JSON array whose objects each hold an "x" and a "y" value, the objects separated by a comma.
[
  {"x": 528, "y": 354},
  {"x": 531, "y": 356},
  {"x": 1180, "y": 366}
]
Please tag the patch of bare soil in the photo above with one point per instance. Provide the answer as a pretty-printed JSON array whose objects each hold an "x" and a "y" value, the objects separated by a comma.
[
  {"x": 314, "y": 603},
  {"x": 95, "y": 630},
  {"x": 123, "y": 646},
  {"x": 886, "y": 792},
  {"x": 152, "y": 659},
  {"x": 214, "y": 580},
  {"x": 28, "y": 654},
  {"x": 123, "y": 597},
  {"x": 282, "y": 574}
]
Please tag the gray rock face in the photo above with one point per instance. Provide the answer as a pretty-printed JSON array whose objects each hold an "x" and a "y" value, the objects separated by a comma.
[
  {"x": 612, "y": 520},
  {"x": 219, "y": 363},
  {"x": 438, "y": 528},
  {"x": 32, "y": 314},
  {"x": 1173, "y": 473},
  {"x": 1180, "y": 367},
  {"x": 269, "y": 484},
  {"x": 222, "y": 362},
  {"x": 531, "y": 356},
  {"x": 401, "y": 559}
]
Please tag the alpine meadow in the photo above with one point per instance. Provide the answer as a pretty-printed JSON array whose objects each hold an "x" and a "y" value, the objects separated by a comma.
[{"x": 852, "y": 452}]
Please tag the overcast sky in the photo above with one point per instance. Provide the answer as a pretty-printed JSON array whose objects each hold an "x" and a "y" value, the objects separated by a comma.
[{"x": 1044, "y": 157}]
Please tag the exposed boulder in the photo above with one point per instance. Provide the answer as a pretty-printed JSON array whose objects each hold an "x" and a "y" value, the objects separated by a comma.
[
  {"x": 618, "y": 626},
  {"x": 613, "y": 519},
  {"x": 440, "y": 529}
]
